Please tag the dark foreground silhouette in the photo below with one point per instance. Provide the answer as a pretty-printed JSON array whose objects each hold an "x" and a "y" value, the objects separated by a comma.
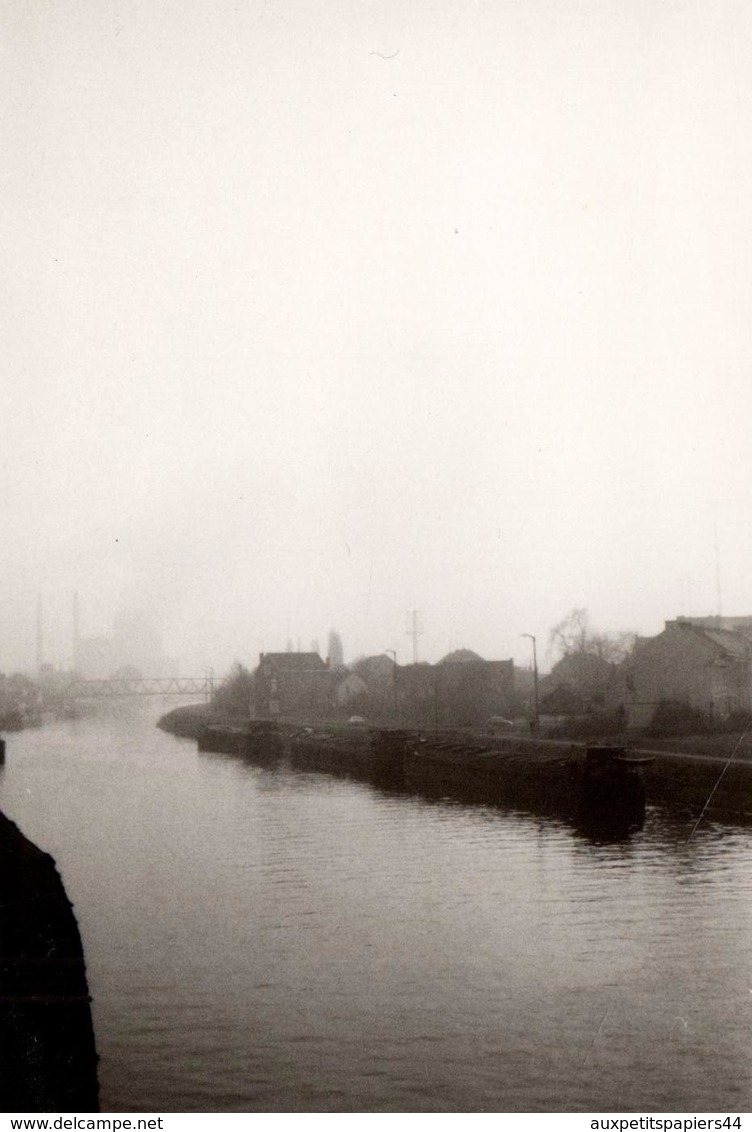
[{"x": 48, "y": 1061}]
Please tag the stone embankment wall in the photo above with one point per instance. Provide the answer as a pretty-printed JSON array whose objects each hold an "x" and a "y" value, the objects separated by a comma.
[
  {"x": 47, "y": 1053},
  {"x": 721, "y": 785},
  {"x": 717, "y": 776},
  {"x": 186, "y": 722}
]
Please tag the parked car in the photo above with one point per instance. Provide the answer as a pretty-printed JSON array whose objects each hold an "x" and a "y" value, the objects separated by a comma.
[{"x": 498, "y": 725}]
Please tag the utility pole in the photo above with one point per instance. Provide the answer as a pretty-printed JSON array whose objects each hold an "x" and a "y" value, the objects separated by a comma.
[
  {"x": 536, "y": 719},
  {"x": 415, "y": 631}
]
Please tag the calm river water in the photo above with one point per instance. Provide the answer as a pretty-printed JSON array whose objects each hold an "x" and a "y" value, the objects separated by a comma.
[{"x": 269, "y": 940}]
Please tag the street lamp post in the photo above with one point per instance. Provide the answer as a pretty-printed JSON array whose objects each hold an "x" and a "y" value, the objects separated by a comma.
[{"x": 535, "y": 681}]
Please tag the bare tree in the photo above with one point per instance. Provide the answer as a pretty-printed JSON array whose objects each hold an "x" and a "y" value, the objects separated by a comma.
[
  {"x": 572, "y": 636},
  {"x": 613, "y": 647}
]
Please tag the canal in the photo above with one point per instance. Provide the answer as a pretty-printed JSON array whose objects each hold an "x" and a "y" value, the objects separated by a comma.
[{"x": 261, "y": 939}]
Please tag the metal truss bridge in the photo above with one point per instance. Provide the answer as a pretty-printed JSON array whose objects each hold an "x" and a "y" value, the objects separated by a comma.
[{"x": 150, "y": 686}]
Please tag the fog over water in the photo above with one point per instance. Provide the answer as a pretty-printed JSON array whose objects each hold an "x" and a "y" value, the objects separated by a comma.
[{"x": 313, "y": 315}]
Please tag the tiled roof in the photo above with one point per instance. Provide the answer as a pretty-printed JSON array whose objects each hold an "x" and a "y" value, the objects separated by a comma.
[
  {"x": 736, "y": 644},
  {"x": 462, "y": 656},
  {"x": 374, "y": 666}
]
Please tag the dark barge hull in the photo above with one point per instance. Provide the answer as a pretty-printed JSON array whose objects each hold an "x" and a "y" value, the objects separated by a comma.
[
  {"x": 258, "y": 740},
  {"x": 573, "y": 782},
  {"x": 347, "y": 755},
  {"x": 579, "y": 783}
]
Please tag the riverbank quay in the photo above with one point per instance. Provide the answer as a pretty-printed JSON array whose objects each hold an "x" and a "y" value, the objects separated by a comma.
[
  {"x": 218, "y": 732},
  {"x": 187, "y": 721},
  {"x": 697, "y": 773},
  {"x": 47, "y": 1049},
  {"x": 703, "y": 784}
]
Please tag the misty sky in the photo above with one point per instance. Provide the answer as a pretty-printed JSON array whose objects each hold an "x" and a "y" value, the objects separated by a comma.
[{"x": 314, "y": 314}]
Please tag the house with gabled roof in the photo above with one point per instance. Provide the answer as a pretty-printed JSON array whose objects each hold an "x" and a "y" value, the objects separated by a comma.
[
  {"x": 694, "y": 661},
  {"x": 296, "y": 686}
]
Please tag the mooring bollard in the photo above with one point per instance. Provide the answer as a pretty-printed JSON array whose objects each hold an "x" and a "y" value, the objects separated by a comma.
[{"x": 2, "y": 751}]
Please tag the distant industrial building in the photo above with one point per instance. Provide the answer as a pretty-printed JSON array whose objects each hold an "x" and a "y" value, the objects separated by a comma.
[{"x": 134, "y": 648}]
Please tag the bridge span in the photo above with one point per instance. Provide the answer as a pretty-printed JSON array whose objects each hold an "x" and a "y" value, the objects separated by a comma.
[{"x": 118, "y": 687}]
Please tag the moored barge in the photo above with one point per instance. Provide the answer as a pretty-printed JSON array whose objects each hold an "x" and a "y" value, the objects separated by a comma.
[
  {"x": 572, "y": 781},
  {"x": 579, "y": 782},
  {"x": 259, "y": 739}
]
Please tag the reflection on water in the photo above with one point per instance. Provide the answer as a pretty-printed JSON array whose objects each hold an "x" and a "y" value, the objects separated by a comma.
[{"x": 264, "y": 939}]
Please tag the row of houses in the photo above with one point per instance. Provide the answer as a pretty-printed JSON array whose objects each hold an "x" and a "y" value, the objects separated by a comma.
[
  {"x": 462, "y": 690},
  {"x": 704, "y": 663}
]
